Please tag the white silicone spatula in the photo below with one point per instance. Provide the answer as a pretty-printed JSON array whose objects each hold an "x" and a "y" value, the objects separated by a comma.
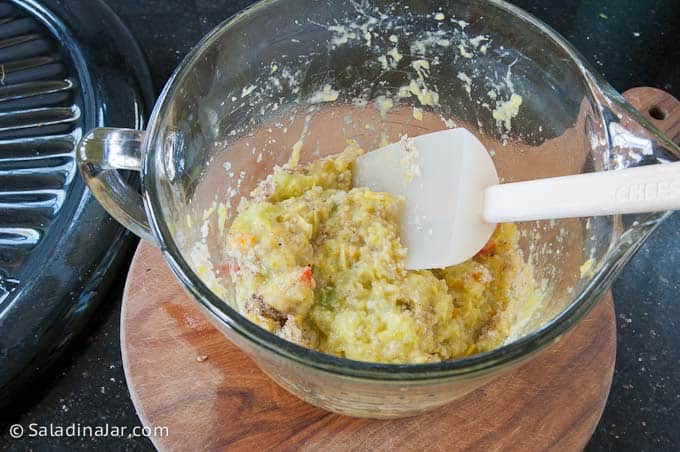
[{"x": 454, "y": 200}]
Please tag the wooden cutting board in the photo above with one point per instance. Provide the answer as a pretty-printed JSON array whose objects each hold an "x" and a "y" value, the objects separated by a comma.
[{"x": 185, "y": 375}]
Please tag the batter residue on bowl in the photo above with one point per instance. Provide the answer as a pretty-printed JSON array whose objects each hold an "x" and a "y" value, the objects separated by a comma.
[{"x": 319, "y": 263}]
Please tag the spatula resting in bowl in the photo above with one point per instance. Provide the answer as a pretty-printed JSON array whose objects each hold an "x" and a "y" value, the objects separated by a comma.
[{"x": 453, "y": 199}]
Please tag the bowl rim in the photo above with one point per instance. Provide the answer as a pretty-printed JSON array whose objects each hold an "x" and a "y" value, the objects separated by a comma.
[{"x": 226, "y": 316}]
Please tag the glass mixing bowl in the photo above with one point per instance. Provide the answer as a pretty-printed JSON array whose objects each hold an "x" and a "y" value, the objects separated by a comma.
[{"x": 311, "y": 75}]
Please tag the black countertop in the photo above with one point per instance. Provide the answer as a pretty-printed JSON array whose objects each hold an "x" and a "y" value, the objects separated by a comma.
[{"x": 631, "y": 42}]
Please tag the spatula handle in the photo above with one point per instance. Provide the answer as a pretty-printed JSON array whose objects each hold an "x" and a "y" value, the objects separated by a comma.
[{"x": 650, "y": 188}]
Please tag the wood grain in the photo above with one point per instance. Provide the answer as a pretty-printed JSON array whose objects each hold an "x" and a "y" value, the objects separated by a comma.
[
  {"x": 654, "y": 104},
  {"x": 184, "y": 375}
]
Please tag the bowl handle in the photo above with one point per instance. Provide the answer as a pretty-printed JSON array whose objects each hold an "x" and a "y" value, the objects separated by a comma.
[{"x": 101, "y": 153}]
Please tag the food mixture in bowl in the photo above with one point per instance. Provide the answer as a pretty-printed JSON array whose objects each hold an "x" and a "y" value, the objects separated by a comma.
[{"x": 319, "y": 263}]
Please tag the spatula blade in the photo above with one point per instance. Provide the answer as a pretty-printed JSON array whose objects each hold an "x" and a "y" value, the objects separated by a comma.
[{"x": 442, "y": 176}]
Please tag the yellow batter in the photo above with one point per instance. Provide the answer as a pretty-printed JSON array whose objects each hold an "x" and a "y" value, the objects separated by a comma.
[{"x": 320, "y": 263}]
